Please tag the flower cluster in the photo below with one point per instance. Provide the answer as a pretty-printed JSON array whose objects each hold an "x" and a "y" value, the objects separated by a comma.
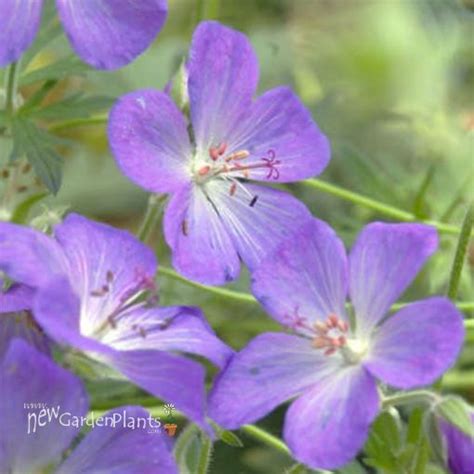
[{"x": 88, "y": 288}]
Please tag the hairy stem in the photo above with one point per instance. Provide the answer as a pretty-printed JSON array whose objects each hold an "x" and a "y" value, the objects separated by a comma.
[
  {"x": 205, "y": 456},
  {"x": 248, "y": 298},
  {"x": 460, "y": 254},
  {"x": 11, "y": 87},
  {"x": 417, "y": 397},
  {"x": 152, "y": 214},
  {"x": 385, "y": 209},
  {"x": 266, "y": 438}
]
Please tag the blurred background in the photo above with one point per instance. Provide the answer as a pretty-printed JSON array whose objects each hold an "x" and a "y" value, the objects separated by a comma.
[{"x": 391, "y": 84}]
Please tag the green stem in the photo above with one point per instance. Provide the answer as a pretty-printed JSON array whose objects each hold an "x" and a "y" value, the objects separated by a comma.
[
  {"x": 152, "y": 213},
  {"x": 80, "y": 122},
  {"x": 266, "y": 438},
  {"x": 461, "y": 250},
  {"x": 423, "y": 397},
  {"x": 204, "y": 456},
  {"x": 207, "y": 10},
  {"x": 224, "y": 292},
  {"x": 11, "y": 87},
  {"x": 248, "y": 298},
  {"x": 387, "y": 210}
]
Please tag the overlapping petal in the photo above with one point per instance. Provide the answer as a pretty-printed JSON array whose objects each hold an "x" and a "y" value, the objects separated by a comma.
[
  {"x": 417, "y": 344},
  {"x": 108, "y": 34},
  {"x": 202, "y": 248},
  {"x": 279, "y": 127},
  {"x": 16, "y": 298},
  {"x": 120, "y": 449},
  {"x": 19, "y": 23},
  {"x": 326, "y": 427},
  {"x": 384, "y": 261},
  {"x": 176, "y": 328},
  {"x": 106, "y": 267},
  {"x": 29, "y": 256},
  {"x": 273, "y": 368},
  {"x": 57, "y": 310},
  {"x": 172, "y": 378},
  {"x": 149, "y": 139},
  {"x": 459, "y": 447},
  {"x": 223, "y": 75},
  {"x": 305, "y": 279},
  {"x": 257, "y": 218},
  {"x": 29, "y": 443}
]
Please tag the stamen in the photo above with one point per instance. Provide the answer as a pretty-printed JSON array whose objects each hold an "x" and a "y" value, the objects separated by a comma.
[
  {"x": 233, "y": 188},
  {"x": 184, "y": 227},
  {"x": 253, "y": 201},
  {"x": 238, "y": 155}
]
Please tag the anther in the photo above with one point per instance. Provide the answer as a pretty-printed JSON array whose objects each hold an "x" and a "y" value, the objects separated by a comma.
[
  {"x": 253, "y": 201},
  {"x": 233, "y": 188},
  {"x": 204, "y": 170},
  {"x": 184, "y": 227},
  {"x": 109, "y": 276}
]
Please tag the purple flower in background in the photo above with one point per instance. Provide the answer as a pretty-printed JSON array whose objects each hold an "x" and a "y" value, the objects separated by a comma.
[
  {"x": 459, "y": 448},
  {"x": 95, "y": 293},
  {"x": 329, "y": 364},
  {"x": 16, "y": 319},
  {"x": 215, "y": 217},
  {"x": 106, "y": 34},
  {"x": 39, "y": 400}
]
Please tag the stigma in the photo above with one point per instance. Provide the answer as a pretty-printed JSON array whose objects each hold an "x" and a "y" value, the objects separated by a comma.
[{"x": 234, "y": 165}]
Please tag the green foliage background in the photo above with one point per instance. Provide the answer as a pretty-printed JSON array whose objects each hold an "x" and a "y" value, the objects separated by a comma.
[{"x": 389, "y": 81}]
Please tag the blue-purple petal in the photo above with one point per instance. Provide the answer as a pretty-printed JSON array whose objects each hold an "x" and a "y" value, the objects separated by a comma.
[
  {"x": 149, "y": 140},
  {"x": 19, "y": 23},
  {"x": 223, "y": 75},
  {"x": 278, "y": 127},
  {"x": 108, "y": 34},
  {"x": 305, "y": 279},
  {"x": 131, "y": 446},
  {"x": 271, "y": 369},
  {"x": 29, "y": 256},
  {"x": 32, "y": 438},
  {"x": 106, "y": 267},
  {"x": 171, "y": 378},
  {"x": 326, "y": 427},
  {"x": 202, "y": 248},
  {"x": 459, "y": 448},
  {"x": 418, "y": 344},
  {"x": 384, "y": 261},
  {"x": 175, "y": 328}
]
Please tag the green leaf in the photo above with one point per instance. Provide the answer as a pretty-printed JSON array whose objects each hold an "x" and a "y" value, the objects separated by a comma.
[
  {"x": 456, "y": 412},
  {"x": 22, "y": 211},
  {"x": 72, "y": 107},
  {"x": 38, "y": 146},
  {"x": 415, "y": 426},
  {"x": 231, "y": 439},
  {"x": 68, "y": 66},
  {"x": 188, "y": 448},
  {"x": 384, "y": 441}
]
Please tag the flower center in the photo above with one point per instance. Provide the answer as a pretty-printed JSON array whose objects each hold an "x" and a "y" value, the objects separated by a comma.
[
  {"x": 234, "y": 166},
  {"x": 142, "y": 292},
  {"x": 331, "y": 336}
]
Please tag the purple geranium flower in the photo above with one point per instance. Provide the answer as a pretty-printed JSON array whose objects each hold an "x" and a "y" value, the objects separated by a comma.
[
  {"x": 93, "y": 282},
  {"x": 459, "y": 448},
  {"x": 330, "y": 364},
  {"x": 215, "y": 217},
  {"x": 39, "y": 400},
  {"x": 106, "y": 34}
]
